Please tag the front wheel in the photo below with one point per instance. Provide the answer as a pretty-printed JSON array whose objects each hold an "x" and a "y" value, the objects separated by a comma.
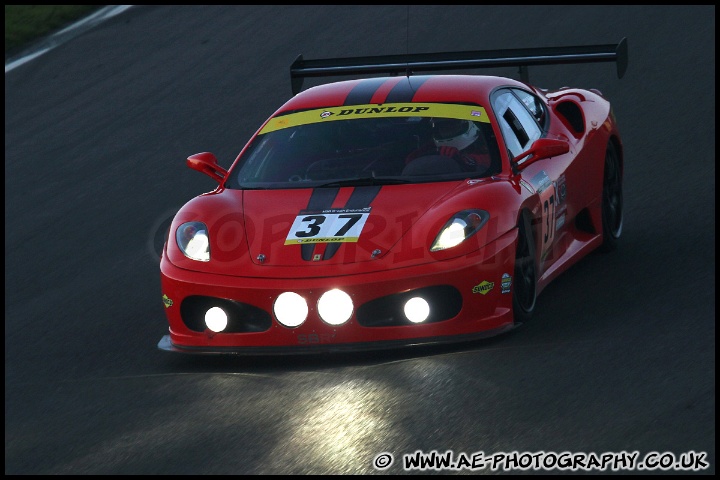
[
  {"x": 612, "y": 200},
  {"x": 525, "y": 282}
]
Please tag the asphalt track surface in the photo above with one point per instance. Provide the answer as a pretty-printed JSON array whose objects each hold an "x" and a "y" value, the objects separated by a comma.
[{"x": 621, "y": 354}]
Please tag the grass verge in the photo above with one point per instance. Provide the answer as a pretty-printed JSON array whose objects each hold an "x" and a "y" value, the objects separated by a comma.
[{"x": 25, "y": 24}]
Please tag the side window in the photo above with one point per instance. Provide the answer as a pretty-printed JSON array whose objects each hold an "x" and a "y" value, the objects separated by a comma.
[
  {"x": 518, "y": 126},
  {"x": 534, "y": 105}
]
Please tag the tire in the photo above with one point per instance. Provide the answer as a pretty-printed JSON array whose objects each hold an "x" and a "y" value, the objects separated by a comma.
[
  {"x": 612, "y": 200},
  {"x": 525, "y": 281}
]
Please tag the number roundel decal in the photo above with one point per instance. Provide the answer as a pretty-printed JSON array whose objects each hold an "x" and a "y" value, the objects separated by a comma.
[
  {"x": 332, "y": 225},
  {"x": 546, "y": 190}
]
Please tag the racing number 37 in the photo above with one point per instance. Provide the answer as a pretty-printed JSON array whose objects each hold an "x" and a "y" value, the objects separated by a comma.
[
  {"x": 314, "y": 222},
  {"x": 329, "y": 226},
  {"x": 548, "y": 217}
]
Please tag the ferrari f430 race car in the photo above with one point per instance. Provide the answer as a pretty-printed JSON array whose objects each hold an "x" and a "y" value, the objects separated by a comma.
[{"x": 398, "y": 209}]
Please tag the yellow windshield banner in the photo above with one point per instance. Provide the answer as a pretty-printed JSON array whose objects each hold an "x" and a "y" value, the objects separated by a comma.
[{"x": 443, "y": 110}]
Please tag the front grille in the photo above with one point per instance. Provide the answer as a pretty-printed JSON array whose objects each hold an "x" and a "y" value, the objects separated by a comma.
[
  {"x": 242, "y": 317},
  {"x": 445, "y": 303}
]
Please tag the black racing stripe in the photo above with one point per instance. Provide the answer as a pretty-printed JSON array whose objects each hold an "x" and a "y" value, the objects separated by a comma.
[
  {"x": 361, "y": 197},
  {"x": 363, "y": 91},
  {"x": 320, "y": 199},
  {"x": 405, "y": 90},
  {"x": 401, "y": 93}
]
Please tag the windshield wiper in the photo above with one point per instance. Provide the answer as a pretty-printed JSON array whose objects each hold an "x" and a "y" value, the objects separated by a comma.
[{"x": 365, "y": 181}]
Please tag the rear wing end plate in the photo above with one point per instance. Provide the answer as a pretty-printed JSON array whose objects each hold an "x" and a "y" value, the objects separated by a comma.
[{"x": 409, "y": 64}]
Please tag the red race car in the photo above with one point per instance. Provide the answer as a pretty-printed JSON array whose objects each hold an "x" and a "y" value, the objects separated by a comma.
[{"x": 396, "y": 210}]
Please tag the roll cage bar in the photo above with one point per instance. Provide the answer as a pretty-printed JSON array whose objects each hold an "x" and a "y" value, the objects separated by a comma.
[{"x": 408, "y": 64}]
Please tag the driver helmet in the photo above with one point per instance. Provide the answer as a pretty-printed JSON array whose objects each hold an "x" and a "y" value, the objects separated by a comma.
[{"x": 451, "y": 132}]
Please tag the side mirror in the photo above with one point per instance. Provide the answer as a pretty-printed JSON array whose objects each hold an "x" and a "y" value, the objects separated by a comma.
[
  {"x": 207, "y": 163},
  {"x": 541, "y": 148}
]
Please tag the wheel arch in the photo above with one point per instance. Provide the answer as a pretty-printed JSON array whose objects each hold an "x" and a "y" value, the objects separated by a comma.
[
  {"x": 615, "y": 140},
  {"x": 525, "y": 277}
]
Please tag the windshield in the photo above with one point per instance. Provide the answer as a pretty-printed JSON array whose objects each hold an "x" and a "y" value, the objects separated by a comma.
[{"x": 369, "y": 144}]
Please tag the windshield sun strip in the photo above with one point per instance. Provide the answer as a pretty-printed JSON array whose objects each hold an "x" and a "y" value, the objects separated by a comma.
[{"x": 445, "y": 110}]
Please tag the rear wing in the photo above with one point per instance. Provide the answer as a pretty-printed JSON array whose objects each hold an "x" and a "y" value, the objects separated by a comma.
[{"x": 425, "y": 62}]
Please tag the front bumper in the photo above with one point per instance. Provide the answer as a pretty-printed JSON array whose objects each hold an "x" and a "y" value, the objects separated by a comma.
[{"x": 470, "y": 298}]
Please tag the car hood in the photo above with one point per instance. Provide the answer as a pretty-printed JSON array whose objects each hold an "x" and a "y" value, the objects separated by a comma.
[
  {"x": 316, "y": 232},
  {"x": 344, "y": 225}
]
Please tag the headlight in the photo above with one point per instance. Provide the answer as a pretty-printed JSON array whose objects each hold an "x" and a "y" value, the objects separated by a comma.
[
  {"x": 459, "y": 228},
  {"x": 192, "y": 238}
]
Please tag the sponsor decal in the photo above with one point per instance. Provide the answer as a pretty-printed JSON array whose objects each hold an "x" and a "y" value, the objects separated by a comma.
[
  {"x": 505, "y": 283},
  {"x": 483, "y": 287},
  {"x": 444, "y": 110},
  {"x": 541, "y": 181},
  {"x": 374, "y": 111},
  {"x": 561, "y": 189},
  {"x": 166, "y": 301},
  {"x": 559, "y": 222},
  {"x": 315, "y": 338}
]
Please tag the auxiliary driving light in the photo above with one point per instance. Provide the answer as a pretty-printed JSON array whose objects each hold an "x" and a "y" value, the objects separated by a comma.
[
  {"x": 335, "y": 307},
  {"x": 216, "y": 319},
  {"x": 417, "y": 310},
  {"x": 290, "y": 309}
]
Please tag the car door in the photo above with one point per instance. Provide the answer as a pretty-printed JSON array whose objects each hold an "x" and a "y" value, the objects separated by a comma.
[{"x": 523, "y": 118}]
